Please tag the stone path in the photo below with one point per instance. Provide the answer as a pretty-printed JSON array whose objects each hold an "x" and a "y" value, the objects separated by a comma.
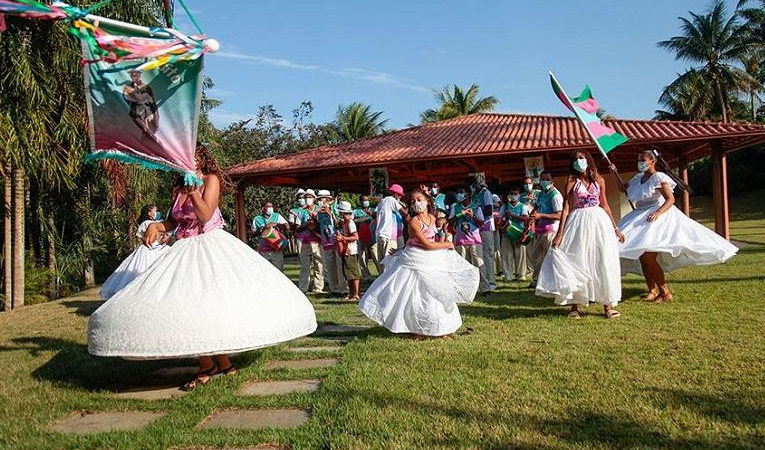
[
  {"x": 257, "y": 418},
  {"x": 151, "y": 393},
  {"x": 343, "y": 328},
  {"x": 333, "y": 348},
  {"x": 86, "y": 422},
  {"x": 302, "y": 363},
  {"x": 279, "y": 387}
]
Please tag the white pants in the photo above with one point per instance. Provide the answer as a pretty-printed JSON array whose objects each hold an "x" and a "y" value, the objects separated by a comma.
[
  {"x": 275, "y": 258},
  {"x": 334, "y": 271},
  {"x": 537, "y": 250},
  {"x": 474, "y": 255},
  {"x": 311, "y": 267},
  {"x": 513, "y": 259},
  {"x": 487, "y": 237}
]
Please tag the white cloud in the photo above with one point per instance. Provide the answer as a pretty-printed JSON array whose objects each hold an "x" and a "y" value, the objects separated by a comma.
[
  {"x": 216, "y": 92},
  {"x": 368, "y": 76},
  {"x": 222, "y": 118}
]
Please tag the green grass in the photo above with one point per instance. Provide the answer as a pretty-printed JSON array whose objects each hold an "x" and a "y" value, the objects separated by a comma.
[{"x": 685, "y": 375}]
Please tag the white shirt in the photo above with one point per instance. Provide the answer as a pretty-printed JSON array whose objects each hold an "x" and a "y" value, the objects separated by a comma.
[
  {"x": 386, "y": 217},
  {"x": 487, "y": 199},
  {"x": 353, "y": 247}
]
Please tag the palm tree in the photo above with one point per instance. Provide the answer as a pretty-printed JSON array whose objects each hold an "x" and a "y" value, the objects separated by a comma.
[
  {"x": 358, "y": 121},
  {"x": 455, "y": 101},
  {"x": 754, "y": 17},
  {"x": 716, "y": 42},
  {"x": 689, "y": 97}
]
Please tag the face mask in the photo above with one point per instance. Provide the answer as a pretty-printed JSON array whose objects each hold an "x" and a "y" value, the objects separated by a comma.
[
  {"x": 269, "y": 210},
  {"x": 460, "y": 197},
  {"x": 580, "y": 165},
  {"x": 365, "y": 203},
  {"x": 309, "y": 201},
  {"x": 528, "y": 187},
  {"x": 301, "y": 202},
  {"x": 434, "y": 190},
  {"x": 514, "y": 197},
  {"x": 642, "y": 166},
  {"x": 546, "y": 184},
  {"x": 419, "y": 207}
]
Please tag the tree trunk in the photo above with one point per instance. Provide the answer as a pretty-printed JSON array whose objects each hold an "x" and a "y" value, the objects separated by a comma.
[
  {"x": 89, "y": 273},
  {"x": 19, "y": 198},
  {"x": 7, "y": 242},
  {"x": 721, "y": 99},
  {"x": 34, "y": 228},
  {"x": 754, "y": 111},
  {"x": 50, "y": 238}
]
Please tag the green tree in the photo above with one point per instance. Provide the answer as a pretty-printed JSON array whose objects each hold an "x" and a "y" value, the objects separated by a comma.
[
  {"x": 358, "y": 121},
  {"x": 455, "y": 101},
  {"x": 689, "y": 97},
  {"x": 716, "y": 42}
]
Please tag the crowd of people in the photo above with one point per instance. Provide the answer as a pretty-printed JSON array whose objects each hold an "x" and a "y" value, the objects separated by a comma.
[{"x": 209, "y": 295}]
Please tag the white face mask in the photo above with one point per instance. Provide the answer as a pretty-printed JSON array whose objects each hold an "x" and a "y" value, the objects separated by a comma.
[
  {"x": 365, "y": 203},
  {"x": 434, "y": 190},
  {"x": 420, "y": 207},
  {"x": 642, "y": 166},
  {"x": 528, "y": 187},
  {"x": 309, "y": 201},
  {"x": 460, "y": 197},
  {"x": 546, "y": 184},
  {"x": 269, "y": 210},
  {"x": 514, "y": 198},
  {"x": 580, "y": 165},
  {"x": 301, "y": 201}
]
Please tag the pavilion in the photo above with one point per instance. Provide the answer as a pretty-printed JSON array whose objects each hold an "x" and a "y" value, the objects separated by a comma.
[{"x": 497, "y": 144}]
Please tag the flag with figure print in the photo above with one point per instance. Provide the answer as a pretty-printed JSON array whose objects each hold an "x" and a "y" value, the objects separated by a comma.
[{"x": 585, "y": 108}]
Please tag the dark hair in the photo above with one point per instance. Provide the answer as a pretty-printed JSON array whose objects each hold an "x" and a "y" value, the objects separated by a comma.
[
  {"x": 591, "y": 174},
  {"x": 209, "y": 166},
  {"x": 544, "y": 172},
  {"x": 144, "y": 215},
  {"x": 514, "y": 187},
  {"x": 662, "y": 166}
]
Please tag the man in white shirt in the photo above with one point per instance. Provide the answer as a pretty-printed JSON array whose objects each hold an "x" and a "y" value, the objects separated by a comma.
[
  {"x": 483, "y": 199},
  {"x": 386, "y": 230}
]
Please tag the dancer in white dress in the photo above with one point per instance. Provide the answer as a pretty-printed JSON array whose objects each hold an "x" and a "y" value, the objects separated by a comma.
[
  {"x": 582, "y": 266},
  {"x": 209, "y": 296},
  {"x": 422, "y": 284},
  {"x": 660, "y": 238},
  {"x": 137, "y": 262}
]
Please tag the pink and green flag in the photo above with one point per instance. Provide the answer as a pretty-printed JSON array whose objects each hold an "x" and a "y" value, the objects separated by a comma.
[{"x": 585, "y": 108}]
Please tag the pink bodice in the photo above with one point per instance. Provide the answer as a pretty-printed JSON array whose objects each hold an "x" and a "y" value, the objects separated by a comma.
[
  {"x": 586, "y": 197},
  {"x": 188, "y": 223},
  {"x": 429, "y": 231}
]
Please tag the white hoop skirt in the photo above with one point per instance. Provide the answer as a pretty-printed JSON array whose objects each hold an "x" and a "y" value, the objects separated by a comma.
[
  {"x": 585, "y": 268},
  {"x": 210, "y": 294},
  {"x": 419, "y": 291},
  {"x": 679, "y": 240},
  {"x": 135, "y": 264}
]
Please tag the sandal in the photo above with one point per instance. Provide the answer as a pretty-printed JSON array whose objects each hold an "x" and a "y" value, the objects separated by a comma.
[
  {"x": 230, "y": 370},
  {"x": 612, "y": 314},
  {"x": 466, "y": 331},
  {"x": 650, "y": 297},
  {"x": 200, "y": 379},
  {"x": 574, "y": 315}
]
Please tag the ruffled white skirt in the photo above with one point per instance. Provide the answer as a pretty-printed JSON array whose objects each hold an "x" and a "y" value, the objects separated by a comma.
[
  {"x": 209, "y": 294},
  {"x": 135, "y": 264},
  {"x": 419, "y": 291},
  {"x": 585, "y": 268},
  {"x": 679, "y": 240}
]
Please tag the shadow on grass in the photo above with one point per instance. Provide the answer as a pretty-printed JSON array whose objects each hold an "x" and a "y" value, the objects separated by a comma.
[
  {"x": 730, "y": 409},
  {"x": 720, "y": 280},
  {"x": 83, "y": 307}
]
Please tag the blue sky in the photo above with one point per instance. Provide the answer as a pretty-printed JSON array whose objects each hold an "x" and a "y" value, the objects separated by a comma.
[{"x": 392, "y": 54}]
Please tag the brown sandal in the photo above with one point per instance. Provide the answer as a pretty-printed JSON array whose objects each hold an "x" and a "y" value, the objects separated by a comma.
[{"x": 201, "y": 378}]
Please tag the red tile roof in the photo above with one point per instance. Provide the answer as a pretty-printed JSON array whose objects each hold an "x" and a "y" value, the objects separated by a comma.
[{"x": 487, "y": 135}]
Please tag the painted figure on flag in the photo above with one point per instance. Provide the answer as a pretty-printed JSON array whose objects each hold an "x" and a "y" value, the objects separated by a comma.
[{"x": 143, "y": 106}]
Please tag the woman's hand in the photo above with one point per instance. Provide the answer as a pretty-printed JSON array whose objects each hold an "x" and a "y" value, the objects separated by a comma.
[
  {"x": 150, "y": 235},
  {"x": 558, "y": 239},
  {"x": 619, "y": 235},
  {"x": 653, "y": 216}
]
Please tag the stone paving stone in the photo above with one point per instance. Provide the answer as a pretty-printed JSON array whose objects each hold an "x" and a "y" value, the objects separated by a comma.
[
  {"x": 86, "y": 422},
  {"x": 151, "y": 393},
  {"x": 257, "y": 418},
  {"x": 279, "y": 387},
  {"x": 343, "y": 339},
  {"x": 343, "y": 328},
  {"x": 333, "y": 348},
  {"x": 257, "y": 447},
  {"x": 302, "y": 363}
]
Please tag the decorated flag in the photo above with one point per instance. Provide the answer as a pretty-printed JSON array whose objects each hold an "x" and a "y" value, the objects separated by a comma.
[
  {"x": 147, "y": 116},
  {"x": 585, "y": 108}
]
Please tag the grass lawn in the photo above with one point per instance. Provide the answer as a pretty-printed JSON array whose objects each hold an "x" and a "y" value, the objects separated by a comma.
[{"x": 685, "y": 375}]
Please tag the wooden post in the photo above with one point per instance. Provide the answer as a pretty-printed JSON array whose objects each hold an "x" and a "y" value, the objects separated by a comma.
[
  {"x": 241, "y": 214},
  {"x": 686, "y": 196},
  {"x": 720, "y": 190}
]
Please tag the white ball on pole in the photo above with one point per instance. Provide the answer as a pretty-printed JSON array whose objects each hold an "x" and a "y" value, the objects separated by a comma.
[{"x": 212, "y": 45}]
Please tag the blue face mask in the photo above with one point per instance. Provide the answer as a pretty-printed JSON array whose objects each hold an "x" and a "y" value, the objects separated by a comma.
[
  {"x": 460, "y": 197},
  {"x": 642, "y": 166},
  {"x": 546, "y": 184},
  {"x": 580, "y": 165},
  {"x": 365, "y": 203}
]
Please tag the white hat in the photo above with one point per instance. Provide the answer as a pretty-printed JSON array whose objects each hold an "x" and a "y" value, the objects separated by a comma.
[
  {"x": 323, "y": 193},
  {"x": 299, "y": 192},
  {"x": 310, "y": 192},
  {"x": 344, "y": 207},
  {"x": 495, "y": 198}
]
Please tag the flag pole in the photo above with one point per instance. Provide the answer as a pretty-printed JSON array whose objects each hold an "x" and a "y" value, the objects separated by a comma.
[{"x": 611, "y": 166}]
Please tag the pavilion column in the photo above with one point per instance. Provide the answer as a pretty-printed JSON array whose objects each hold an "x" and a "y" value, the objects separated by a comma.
[
  {"x": 241, "y": 215},
  {"x": 720, "y": 189},
  {"x": 686, "y": 195}
]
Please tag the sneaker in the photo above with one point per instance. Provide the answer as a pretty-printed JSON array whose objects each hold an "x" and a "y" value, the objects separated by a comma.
[{"x": 532, "y": 285}]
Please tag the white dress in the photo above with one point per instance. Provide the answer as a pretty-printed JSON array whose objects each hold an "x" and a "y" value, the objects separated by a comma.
[
  {"x": 135, "y": 264},
  {"x": 585, "y": 268},
  {"x": 679, "y": 240},
  {"x": 209, "y": 294},
  {"x": 419, "y": 291}
]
